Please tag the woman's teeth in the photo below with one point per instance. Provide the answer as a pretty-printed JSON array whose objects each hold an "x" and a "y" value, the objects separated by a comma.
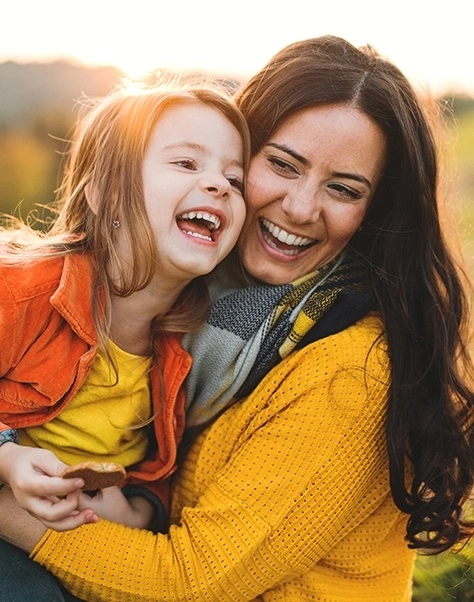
[{"x": 284, "y": 237}]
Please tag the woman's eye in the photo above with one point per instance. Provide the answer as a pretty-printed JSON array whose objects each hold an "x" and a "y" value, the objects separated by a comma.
[
  {"x": 345, "y": 191},
  {"x": 186, "y": 163},
  {"x": 236, "y": 183},
  {"x": 281, "y": 166}
]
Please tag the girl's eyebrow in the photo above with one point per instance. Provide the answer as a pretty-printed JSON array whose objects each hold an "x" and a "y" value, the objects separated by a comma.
[
  {"x": 184, "y": 144},
  {"x": 304, "y": 161},
  {"x": 200, "y": 148}
]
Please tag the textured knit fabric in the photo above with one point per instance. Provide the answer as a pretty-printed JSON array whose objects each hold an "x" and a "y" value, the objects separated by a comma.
[
  {"x": 48, "y": 344},
  {"x": 96, "y": 424},
  {"x": 252, "y": 327},
  {"x": 284, "y": 498}
]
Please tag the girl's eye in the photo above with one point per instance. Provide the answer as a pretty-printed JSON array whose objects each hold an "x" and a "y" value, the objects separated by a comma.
[
  {"x": 346, "y": 192},
  {"x": 186, "y": 163},
  {"x": 236, "y": 183},
  {"x": 281, "y": 166}
]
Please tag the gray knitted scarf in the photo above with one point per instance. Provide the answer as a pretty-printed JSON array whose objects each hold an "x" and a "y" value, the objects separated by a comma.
[{"x": 251, "y": 327}]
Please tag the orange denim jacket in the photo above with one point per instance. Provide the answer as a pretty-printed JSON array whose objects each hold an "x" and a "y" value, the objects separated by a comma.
[{"x": 48, "y": 343}]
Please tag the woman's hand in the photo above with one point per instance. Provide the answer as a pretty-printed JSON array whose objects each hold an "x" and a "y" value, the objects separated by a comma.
[
  {"x": 33, "y": 476},
  {"x": 112, "y": 505}
]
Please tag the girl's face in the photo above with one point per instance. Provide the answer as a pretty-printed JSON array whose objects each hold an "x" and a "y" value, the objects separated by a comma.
[
  {"x": 193, "y": 180},
  {"x": 308, "y": 190}
]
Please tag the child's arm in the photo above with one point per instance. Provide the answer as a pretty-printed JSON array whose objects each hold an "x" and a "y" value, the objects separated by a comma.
[
  {"x": 111, "y": 504},
  {"x": 31, "y": 474}
]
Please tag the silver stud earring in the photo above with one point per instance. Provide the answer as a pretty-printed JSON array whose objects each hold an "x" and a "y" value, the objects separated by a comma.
[{"x": 116, "y": 223}]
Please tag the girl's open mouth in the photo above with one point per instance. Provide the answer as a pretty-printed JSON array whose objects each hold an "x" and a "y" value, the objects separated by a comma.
[{"x": 200, "y": 224}]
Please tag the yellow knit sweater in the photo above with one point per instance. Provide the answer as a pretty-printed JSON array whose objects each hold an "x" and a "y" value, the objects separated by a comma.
[{"x": 284, "y": 498}]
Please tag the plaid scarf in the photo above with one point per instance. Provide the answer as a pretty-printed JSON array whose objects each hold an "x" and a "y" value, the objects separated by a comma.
[{"x": 251, "y": 328}]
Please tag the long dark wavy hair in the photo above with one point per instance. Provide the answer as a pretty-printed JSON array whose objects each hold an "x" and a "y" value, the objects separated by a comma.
[{"x": 418, "y": 287}]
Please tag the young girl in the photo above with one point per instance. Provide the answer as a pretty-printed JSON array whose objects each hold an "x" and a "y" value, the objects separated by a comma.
[{"x": 151, "y": 199}]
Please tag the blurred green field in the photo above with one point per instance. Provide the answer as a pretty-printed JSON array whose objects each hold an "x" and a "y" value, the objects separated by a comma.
[
  {"x": 463, "y": 151},
  {"x": 446, "y": 577}
]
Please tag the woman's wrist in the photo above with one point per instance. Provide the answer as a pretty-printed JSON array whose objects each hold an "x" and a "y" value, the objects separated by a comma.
[{"x": 17, "y": 526}]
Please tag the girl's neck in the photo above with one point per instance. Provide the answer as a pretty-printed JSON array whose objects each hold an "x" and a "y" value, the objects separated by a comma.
[{"x": 132, "y": 317}]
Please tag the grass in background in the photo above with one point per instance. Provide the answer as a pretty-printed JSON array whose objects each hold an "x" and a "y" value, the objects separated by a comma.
[{"x": 447, "y": 577}]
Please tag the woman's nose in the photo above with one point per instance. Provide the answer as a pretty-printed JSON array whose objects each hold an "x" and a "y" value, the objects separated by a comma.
[{"x": 302, "y": 206}]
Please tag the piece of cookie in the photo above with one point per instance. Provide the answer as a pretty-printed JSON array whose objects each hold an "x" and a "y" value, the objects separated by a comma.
[{"x": 96, "y": 475}]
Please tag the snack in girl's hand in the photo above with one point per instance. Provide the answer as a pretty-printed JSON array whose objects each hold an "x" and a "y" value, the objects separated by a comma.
[{"x": 96, "y": 475}]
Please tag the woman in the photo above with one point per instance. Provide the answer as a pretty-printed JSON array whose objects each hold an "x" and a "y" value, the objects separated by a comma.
[{"x": 356, "y": 447}]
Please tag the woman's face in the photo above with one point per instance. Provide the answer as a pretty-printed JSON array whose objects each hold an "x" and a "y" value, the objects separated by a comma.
[{"x": 308, "y": 190}]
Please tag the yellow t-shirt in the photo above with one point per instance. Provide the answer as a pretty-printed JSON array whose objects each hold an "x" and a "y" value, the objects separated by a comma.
[{"x": 96, "y": 424}]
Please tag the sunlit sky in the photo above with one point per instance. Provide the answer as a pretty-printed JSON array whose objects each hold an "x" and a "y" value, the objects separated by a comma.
[{"x": 430, "y": 41}]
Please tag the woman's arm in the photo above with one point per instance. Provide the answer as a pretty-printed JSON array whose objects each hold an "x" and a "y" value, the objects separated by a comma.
[
  {"x": 16, "y": 525},
  {"x": 284, "y": 477}
]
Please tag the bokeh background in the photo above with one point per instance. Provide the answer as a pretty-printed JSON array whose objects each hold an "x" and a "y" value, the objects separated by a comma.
[{"x": 53, "y": 53}]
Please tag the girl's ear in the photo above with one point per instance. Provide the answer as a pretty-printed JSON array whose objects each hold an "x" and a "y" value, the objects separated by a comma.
[{"x": 91, "y": 198}]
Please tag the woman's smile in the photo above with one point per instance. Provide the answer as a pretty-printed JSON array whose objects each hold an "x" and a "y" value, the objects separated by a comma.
[{"x": 281, "y": 240}]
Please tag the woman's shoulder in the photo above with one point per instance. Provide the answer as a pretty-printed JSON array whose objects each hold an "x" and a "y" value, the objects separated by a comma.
[
  {"x": 350, "y": 367},
  {"x": 361, "y": 344},
  {"x": 366, "y": 332}
]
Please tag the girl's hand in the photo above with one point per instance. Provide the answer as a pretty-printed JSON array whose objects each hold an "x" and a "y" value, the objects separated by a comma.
[
  {"x": 32, "y": 475},
  {"x": 112, "y": 505}
]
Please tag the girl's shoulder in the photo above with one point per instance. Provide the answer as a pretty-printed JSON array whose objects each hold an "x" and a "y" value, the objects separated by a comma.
[
  {"x": 29, "y": 277},
  {"x": 25, "y": 278}
]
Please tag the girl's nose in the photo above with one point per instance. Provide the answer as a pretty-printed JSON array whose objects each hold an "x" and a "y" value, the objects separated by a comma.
[{"x": 215, "y": 184}]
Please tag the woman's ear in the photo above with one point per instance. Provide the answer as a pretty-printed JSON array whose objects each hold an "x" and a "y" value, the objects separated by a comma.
[{"x": 91, "y": 198}]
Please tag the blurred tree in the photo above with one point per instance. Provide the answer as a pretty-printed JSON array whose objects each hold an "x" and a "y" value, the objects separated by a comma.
[
  {"x": 38, "y": 106},
  {"x": 27, "y": 173}
]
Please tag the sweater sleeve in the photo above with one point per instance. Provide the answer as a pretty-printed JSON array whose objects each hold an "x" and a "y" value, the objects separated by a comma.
[{"x": 291, "y": 471}]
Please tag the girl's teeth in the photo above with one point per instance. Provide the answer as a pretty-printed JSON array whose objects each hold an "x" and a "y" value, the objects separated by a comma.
[
  {"x": 214, "y": 221},
  {"x": 197, "y": 235}
]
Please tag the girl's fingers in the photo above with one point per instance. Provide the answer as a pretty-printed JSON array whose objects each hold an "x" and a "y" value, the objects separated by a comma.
[
  {"x": 55, "y": 486},
  {"x": 54, "y": 509},
  {"x": 73, "y": 521}
]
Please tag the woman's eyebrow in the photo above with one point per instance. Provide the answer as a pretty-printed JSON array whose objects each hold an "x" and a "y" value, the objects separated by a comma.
[
  {"x": 304, "y": 161},
  {"x": 353, "y": 176},
  {"x": 289, "y": 151}
]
